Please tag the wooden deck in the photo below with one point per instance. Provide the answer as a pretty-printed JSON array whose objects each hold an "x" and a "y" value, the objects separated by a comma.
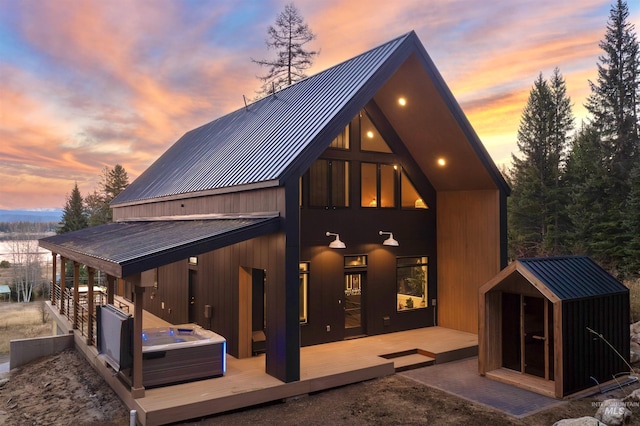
[{"x": 322, "y": 367}]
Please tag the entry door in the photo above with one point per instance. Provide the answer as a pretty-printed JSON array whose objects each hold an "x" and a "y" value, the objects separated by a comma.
[
  {"x": 353, "y": 296},
  {"x": 193, "y": 279}
]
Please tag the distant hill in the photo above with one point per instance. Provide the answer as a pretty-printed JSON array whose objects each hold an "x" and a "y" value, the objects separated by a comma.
[{"x": 45, "y": 215}]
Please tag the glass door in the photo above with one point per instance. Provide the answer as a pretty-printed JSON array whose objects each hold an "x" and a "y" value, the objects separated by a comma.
[
  {"x": 534, "y": 335},
  {"x": 353, "y": 304}
]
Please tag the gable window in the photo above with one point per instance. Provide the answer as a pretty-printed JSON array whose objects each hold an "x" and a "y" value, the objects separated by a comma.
[
  {"x": 342, "y": 140},
  {"x": 411, "y": 278},
  {"x": 410, "y": 197},
  {"x": 329, "y": 183},
  {"x": 378, "y": 185},
  {"x": 370, "y": 138}
]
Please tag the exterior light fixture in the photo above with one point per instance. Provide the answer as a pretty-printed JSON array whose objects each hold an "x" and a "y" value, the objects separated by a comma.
[
  {"x": 441, "y": 162},
  {"x": 402, "y": 101},
  {"x": 370, "y": 134},
  {"x": 335, "y": 244},
  {"x": 389, "y": 241}
]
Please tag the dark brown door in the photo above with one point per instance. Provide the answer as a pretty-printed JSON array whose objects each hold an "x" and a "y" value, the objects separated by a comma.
[
  {"x": 534, "y": 335},
  {"x": 353, "y": 296}
]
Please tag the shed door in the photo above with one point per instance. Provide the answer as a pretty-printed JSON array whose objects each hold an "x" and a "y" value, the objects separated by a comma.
[{"x": 527, "y": 335}]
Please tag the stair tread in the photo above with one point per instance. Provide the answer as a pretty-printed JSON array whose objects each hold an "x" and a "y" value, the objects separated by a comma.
[{"x": 411, "y": 359}]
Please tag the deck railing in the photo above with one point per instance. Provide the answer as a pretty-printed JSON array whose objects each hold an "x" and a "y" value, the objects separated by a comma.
[{"x": 65, "y": 303}]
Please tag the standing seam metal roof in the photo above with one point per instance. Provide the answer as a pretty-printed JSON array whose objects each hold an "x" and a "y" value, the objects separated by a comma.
[
  {"x": 259, "y": 143},
  {"x": 573, "y": 277}
]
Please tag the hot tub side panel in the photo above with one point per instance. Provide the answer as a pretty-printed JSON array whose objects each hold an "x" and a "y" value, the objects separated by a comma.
[{"x": 182, "y": 365}]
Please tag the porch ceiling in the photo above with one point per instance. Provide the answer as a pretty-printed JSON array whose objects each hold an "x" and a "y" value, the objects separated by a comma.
[
  {"x": 433, "y": 126},
  {"x": 126, "y": 248}
]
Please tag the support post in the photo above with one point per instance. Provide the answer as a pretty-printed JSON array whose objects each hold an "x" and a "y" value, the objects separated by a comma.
[
  {"x": 137, "y": 388},
  {"x": 76, "y": 293},
  {"x": 111, "y": 287},
  {"x": 90, "y": 306},
  {"x": 54, "y": 261},
  {"x": 63, "y": 282}
]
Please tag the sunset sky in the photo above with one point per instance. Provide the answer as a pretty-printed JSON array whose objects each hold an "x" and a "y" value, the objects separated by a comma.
[{"x": 89, "y": 84}]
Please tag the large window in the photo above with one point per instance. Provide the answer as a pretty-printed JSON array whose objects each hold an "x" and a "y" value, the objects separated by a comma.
[
  {"x": 411, "y": 276},
  {"x": 378, "y": 185},
  {"x": 370, "y": 138},
  {"x": 304, "y": 291},
  {"x": 342, "y": 140},
  {"x": 410, "y": 197},
  {"x": 329, "y": 183}
]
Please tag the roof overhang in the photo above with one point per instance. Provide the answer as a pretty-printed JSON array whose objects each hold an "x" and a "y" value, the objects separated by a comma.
[{"x": 127, "y": 248}]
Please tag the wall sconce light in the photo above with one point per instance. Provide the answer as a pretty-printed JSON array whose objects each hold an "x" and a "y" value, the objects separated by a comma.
[
  {"x": 336, "y": 244},
  {"x": 389, "y": 241}
]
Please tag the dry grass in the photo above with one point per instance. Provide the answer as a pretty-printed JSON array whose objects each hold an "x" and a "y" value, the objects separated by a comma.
[{"x": 21, "y": 321}]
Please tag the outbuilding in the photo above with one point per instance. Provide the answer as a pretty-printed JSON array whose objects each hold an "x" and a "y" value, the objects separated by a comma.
[{"x": 556, "y": 325}]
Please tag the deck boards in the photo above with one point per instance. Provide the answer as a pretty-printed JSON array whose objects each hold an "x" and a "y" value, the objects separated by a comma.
[
  {"x": 246, "y": 384},
  {"x": 322, "y": 367}
]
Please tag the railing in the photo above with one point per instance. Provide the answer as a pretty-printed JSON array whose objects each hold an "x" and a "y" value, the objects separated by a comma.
[{"x": 64, "y": 301}]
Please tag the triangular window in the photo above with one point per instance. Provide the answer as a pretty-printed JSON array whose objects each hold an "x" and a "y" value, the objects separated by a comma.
[
  {"x": 370, "y": 138},
  {"x": 411, "y": 199}
]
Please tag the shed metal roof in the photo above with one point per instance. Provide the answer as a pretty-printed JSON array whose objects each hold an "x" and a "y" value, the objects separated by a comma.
[
  {"x": 573, "y": 277},
  {"x": 126, "y": 248}
]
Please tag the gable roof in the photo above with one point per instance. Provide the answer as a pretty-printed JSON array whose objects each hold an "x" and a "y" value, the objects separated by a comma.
[
  {"x": 279, "y": 136},
  {"x": 562, "y": 278}
]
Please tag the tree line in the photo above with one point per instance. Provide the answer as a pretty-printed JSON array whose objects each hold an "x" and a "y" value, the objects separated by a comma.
[{"x": 577, "y": 190}]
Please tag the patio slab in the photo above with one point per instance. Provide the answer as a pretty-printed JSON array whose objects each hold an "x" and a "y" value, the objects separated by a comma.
[{"x": 461, "y": 379}]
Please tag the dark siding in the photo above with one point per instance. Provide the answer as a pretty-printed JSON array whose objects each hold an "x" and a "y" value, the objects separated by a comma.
[{"x": 585, "y": 356}]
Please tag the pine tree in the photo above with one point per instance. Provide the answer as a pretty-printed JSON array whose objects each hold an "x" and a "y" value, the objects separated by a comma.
[
  {"x": 614, "y": 106},
  {"x": 535, "y": 205},
  {"x": 631, "y": 222},
  {"x": 112, "y": 182},
  {"x": 288, "y": 38},
  {"x": 73, "y": 215}
]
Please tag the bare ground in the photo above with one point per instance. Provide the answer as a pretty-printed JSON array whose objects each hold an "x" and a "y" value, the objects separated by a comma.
[{"x": 64, "y": 389}]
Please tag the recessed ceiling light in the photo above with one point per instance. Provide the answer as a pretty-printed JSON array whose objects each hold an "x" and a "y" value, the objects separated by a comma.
[
  {"x": 442, "y": 162},
  {"x": 402, "y": 101},
  {"x": 370, "y": 134}
]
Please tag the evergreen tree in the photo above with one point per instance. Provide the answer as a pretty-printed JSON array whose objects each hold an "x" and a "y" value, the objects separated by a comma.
[
  {"x": 614, "y": 107},
  {"x": 535, "y": 205},
  {"x": 631, "y": 264},
  {"x": 73, "y": 215},
  {"x": 112, "y": 182},
  {"x": 288, "y": 38}
]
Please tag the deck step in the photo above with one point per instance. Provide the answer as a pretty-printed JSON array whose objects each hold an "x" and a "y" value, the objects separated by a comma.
[{"x": 412, "y": 361}]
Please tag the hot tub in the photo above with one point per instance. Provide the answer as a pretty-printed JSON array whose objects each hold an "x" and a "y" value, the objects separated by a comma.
[{"x": 181, "y": 354}]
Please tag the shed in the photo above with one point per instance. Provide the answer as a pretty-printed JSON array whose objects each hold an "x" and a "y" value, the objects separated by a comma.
[
  {"x": 556, "y": 326},
  {"x": 5, "y": 291}
]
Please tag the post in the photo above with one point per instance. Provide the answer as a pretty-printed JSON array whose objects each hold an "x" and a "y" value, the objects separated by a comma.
[
  {"x": 137, "y": 388},
  {"x": 76, "y": 292},
  {"x": 111, "y": 284},
  {"x": 90, "y": 306},
  {"x": 63, "y": 282},
  {"x": 54, "y": 261}
]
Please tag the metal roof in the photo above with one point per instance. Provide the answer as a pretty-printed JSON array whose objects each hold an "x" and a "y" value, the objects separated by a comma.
[
  {"x": 126, "y": 248},
  {"x": 573, "y": 277},
  {"x": 259, "y": 143}
]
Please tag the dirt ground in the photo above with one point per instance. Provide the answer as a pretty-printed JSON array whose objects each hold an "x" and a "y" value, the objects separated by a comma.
[{"x": 63, "y": 389}]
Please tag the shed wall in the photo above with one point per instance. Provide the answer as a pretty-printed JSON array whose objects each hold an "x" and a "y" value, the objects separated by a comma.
[{"x": 585, "y": 356}]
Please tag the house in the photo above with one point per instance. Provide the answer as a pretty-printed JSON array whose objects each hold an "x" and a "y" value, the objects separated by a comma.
[
  {"x": 358, "y": 201},
  {"x": 556, "y": 326}
]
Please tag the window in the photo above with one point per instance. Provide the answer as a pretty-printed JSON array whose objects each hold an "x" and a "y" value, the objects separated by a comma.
[
  {"x": 378, "y": 185},
  {"x": 410, "y": 197},
  {"x": 329, "y": 183},
  {"x": 411, "y": 277},
  {"x": 304, "y": 289},
  {"x": 355, "y": 261},
  {"x": 342, "y": 140},
  {"x": 370, "y": 138}
]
